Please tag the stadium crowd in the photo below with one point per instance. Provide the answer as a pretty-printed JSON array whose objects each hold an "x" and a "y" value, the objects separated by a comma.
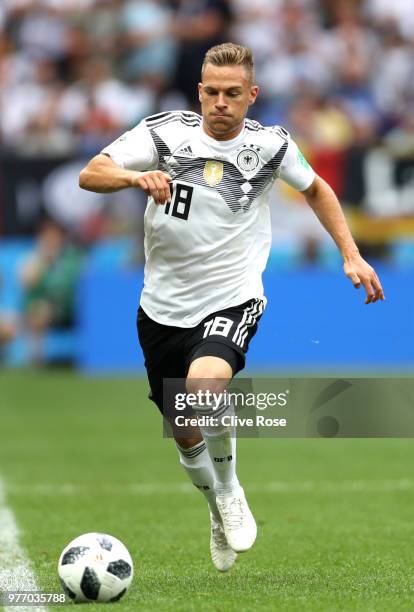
[{"x": 75, "y": 73}]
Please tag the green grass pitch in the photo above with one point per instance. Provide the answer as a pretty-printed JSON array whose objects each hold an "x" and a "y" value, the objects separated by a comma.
[{"x": 335, "y": 517}]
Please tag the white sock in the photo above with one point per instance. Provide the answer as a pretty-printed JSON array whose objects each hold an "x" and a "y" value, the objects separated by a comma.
[
  {"x": 197, "y": 464},
  {"x": 221, "y": 445}
]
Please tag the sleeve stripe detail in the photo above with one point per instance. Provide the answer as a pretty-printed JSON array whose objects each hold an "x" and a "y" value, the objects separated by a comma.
[
  {"x": 281, "y": 132},
  {"x": 186, "y": 118},
  {"x": 158, "y": 116}
]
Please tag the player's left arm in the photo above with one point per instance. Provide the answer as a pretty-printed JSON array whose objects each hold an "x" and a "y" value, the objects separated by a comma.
[{"x": 322, "y": 199}]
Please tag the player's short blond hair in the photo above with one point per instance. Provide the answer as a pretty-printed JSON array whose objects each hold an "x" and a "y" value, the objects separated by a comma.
[{"x": 230, "y": 54}]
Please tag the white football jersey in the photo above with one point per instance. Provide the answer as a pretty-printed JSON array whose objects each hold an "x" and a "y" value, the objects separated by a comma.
[{"x": 207, "y": 249}]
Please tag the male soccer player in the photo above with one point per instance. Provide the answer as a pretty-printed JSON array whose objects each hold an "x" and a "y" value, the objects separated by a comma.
[{"x": 207, "y": 239}]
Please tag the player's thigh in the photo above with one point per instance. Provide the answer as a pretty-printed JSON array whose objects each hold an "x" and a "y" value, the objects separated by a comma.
[
  {"x": 210, "y": 366},
  {"x": 164, "y": 359},
  {"x": 217, "y": 347}
]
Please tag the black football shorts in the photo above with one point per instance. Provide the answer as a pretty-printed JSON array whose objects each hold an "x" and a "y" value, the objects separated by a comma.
[{"x": 169, "y": 351}]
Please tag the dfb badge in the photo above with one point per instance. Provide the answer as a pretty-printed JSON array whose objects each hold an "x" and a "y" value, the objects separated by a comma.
[{"x": 248, "y": 160}]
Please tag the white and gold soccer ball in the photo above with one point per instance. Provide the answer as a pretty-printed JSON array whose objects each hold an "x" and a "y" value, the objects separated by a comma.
[{"x": 95, "y": 567}]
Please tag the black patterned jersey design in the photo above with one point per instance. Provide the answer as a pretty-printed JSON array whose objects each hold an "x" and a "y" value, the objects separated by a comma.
[
  {"x": 235, "y": 189},
  {"x": 206, "y": 249}
]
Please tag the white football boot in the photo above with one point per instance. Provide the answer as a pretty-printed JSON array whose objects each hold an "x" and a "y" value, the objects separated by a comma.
[
  {"x": 222, "y": 556},
  {"x": 238, "y": 522}
]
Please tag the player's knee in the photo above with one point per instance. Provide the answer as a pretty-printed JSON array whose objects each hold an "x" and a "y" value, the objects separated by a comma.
[
  {"x": 208, "y": 374},
  {"x": 209, "y": 383},
  {"x": 188, "y": 442}
]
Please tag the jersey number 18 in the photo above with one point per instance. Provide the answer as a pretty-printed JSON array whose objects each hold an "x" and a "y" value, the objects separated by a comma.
[{"x": 180, "y": 201}]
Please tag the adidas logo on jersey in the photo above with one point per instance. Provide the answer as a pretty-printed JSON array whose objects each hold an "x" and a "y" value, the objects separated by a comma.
[{"x": 185, "y": 152}]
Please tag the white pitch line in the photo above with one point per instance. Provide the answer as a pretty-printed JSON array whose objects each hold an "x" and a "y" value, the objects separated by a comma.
[
  {"x": 306, "y": 486},
  {"x": 16, "y": 573}
]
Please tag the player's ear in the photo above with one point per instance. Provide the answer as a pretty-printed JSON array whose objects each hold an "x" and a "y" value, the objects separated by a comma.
[
  {"x": 200, "y": 85},
  {"x": 254, "y": 92}
]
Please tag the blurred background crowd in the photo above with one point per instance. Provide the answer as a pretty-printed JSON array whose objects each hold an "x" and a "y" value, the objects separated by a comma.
[{"x": 74, "y": 74}]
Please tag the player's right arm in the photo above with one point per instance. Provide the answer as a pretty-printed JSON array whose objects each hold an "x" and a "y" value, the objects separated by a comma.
[
  {"x": 103, "y": 175},
  {"x": 130, "y": 161}
]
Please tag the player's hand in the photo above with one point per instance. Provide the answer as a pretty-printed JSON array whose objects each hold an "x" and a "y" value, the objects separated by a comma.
[
  {"x": 361, "y": 273},
  {"x": 154, "y": 183}
]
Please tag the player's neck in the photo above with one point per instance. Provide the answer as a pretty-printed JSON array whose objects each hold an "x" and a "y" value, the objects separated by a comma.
[{"x": 223, "y": 137}]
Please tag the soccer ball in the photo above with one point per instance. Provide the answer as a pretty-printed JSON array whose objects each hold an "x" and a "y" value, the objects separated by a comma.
[{"x": 95, "y": 567}]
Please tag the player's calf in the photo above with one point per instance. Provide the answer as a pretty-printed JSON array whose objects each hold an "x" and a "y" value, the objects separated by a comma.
[{"x": 220, "y": 439}]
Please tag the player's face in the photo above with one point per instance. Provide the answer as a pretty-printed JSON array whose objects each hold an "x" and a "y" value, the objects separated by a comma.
[{"x": 225, "y": 94}]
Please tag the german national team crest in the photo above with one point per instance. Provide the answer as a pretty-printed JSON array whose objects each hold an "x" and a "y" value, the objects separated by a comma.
[
  {"x": 213, "y": 173},
  {"x": 248, "y": 160}
]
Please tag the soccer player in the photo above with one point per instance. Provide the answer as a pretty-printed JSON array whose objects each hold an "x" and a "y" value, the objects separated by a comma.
[{"x": 207, "y": 240}]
